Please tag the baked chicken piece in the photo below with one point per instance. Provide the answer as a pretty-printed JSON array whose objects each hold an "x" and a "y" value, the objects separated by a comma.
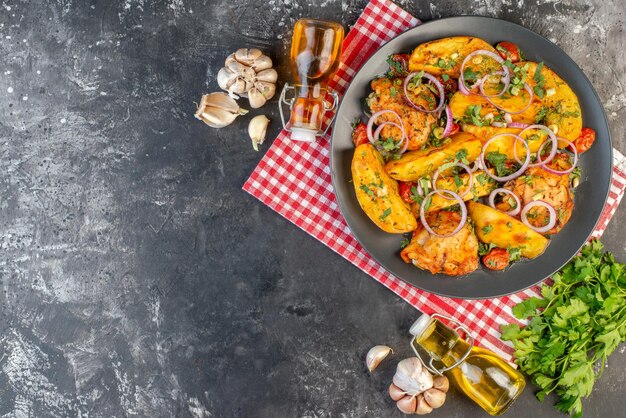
[
  {"x": 540, "y": 184},
  {"x": 455, "y": 256},
  {"x": 388, "y": 95}
]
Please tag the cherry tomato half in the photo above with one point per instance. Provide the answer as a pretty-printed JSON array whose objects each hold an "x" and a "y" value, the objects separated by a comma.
[
  {"x": 585, "y": 140},
  {"x": 359, "y": 135},
  {"x": 404, "y": 188},
  {"x": 497, "y": 259},
  {"x": 455, "y": 129},
  {"x": 508, "y": 50}
]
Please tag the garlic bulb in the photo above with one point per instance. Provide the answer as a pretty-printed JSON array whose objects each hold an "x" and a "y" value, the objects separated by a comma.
[
  {"x": 218, "y": 110},
  {"x": 414, "y": 389},
  {"x": 249, "y": 73},
  {"x": 257, "y": 128},
  {"x": 376, "y": 355}
]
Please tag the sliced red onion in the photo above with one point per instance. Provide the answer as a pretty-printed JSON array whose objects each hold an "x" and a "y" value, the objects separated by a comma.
[
  {"x": 506, "y": 78},
  {"x": 476, "y": 166},
  {"x": 570, "y": 145},
  {"x": 402, "y": 141},
  {"x": 449, "y": 122},
  {"x": 507, "y": 74},
  {"x": 551, "y": 210},
  {"x": 510, "y": 176},
  {"x": 454, "y": 196},
  {"x": 464, "y": 167},
  {"x": 437, "y": 84},
  {"x": 552, "y": 138},
  {"x": 492, "y": 200},
  {"x": 373, "y": 137},
  {"x": 518, "y": 124},
  {"x": 530, "y": 101}
]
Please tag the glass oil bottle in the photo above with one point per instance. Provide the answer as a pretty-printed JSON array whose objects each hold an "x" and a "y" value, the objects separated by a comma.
[
  {"x": 482, "y": 375},
  {"x": 315, "y": 55}
]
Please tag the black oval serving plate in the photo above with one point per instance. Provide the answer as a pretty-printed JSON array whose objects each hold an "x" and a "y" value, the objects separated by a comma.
[{"x": 591, "y": 194}]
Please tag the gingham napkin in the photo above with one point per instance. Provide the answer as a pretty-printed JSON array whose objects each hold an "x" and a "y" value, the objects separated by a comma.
[{"x": 293, "y": 178}]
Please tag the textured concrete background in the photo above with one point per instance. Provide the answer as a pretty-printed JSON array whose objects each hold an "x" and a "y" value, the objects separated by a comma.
[{"x": 139, "y": 279}]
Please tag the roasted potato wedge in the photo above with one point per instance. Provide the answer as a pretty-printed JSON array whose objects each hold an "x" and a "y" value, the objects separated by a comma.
[
  {"x": 445, "y": 56},
  {"x": 377, "y": 193},
  {"x": 504, "y": 144},
  {"x": 482, "y": 186},
  {"x": 459, "y": 104},
  {"x": 415, "y": 164},
  {"x": 495, "y": 227}
]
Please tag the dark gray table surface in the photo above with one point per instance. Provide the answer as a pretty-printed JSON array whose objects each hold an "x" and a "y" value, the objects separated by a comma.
[{"x": 138, "y": 279}]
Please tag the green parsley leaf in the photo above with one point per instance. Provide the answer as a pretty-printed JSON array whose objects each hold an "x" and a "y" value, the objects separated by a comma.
[
  {"x": 487, "y": 229},
  {"x": 386, "y": 213}
]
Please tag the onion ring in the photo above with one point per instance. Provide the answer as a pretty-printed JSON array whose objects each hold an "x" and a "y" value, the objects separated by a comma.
[
  {"x": 552, "y": 138},
  {"x": 510, "y": 176},
  {"x": 492, "y": 200},
  {"x": 530, "y": 101},
  {"x": 551, "y": 210},
  {"x": 437, "y": 84},
  {"x": 449, "y": 122},
  {"x": 464, "y": 167},
  {"x": 507, "y": 74},
  {"x": 380, "y": 128},
  {"x": 371, "y": 136},
  {"x": 570, "y": 145},
  {"x": 463, "y": 213}
]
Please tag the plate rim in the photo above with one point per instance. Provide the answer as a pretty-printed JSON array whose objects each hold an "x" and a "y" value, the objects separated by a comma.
[{"x": 444, "y": 21}]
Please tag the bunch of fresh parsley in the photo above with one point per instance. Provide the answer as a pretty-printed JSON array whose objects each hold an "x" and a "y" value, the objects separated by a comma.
[{"x": 578, "y": 323}]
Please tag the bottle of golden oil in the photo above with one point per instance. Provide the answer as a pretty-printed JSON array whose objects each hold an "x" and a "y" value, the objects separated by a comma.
[
  {"x": 315, "y": 54},
  {"x": 484, "y": 377}
]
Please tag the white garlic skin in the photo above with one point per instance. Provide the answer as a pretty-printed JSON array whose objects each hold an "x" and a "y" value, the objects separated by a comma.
[
  {"x": 218, "y": 110},
  {"x": 411, "y": 377},
  {"x": 257, "y": 129},
  {"x": 376, "y": 355}
]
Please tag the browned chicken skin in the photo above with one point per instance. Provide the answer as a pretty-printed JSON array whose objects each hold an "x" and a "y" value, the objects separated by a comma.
[
  {"x": 455, "y": 256},
  {"x": 539, "y": 184},
  {"x": 389, "y": 96}
]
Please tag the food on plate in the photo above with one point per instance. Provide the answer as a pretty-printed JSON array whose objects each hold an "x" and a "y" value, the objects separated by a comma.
[
  {"x": 574, "y": 327},
  {"x": 377, "y": 193},
  {"x": 496, "y": 227},
  {"x": 415, "y": 164},
  {"x": 454, "y": 255},
  {"x": 475, "y": 151}
]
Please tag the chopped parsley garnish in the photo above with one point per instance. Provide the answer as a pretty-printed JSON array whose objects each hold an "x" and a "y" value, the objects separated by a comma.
[
  {"x": 386, "y": 213},
  {"x": 497, "y": 160},
  {"x": 541, "y": 115},
  {"x": 484, "y": 249},
  {"x": 405, "y": 241},
  {"x": 514, "y": 253},
  {"x": 395, "y": 67},
  {"x": 393, "y": 92},
  {"x": 472, "y": 116},
  {"x": 540, "y": 80},
  {"x": 445, "y": 77},
  {"x": 487, "y": 229},
  {"x": 367, "y": 190}
]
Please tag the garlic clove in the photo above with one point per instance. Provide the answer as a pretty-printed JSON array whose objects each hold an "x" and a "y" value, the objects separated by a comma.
[
  {"x": 229, "y": 59},
  {"x": 225, "y": 78},
  {"x": 269, "y": 76},
  {"x": 441, "y": 383},
  {"x": 256, "y": 98},
  {"x": 407, "y": 404},
  {"x": 257, "y": 128},
  {"x": 434, "y": 397},
  {"x": 376, "y": 355},
  {"x": 422, "y": 407},
  {"x": 238, "y": 68},
  {"x": 267, "y": 89},
  {"x": 395, "y": 392},
  {"x": 218, "y": 110},
  {"x": 238, "y": 87},
  {"x": 248, "y": 56},
  {"x": 262, "y": 63},
  {"x": 217, "y": 118}
]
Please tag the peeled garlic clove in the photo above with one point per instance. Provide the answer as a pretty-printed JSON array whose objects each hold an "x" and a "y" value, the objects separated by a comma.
[
  {"x": 376, "y": 354},
  {"x": 422, "y": 407},
  {"x": 225, "y": 78},
  {"x": 218, "y": 110},
  {"x": 395, "y": 392},
  {"x": 257, "y": 128},
  {"x": 267, "y": 89},
  {"x": 441, "y": 383},
  {"x": 434, "y": 397},
  {"x": 262, "y": 63},
  {"x": 407, "y": 404},
  {"x": 269, "y": 76},
  {"x": 248, "y": 56}
]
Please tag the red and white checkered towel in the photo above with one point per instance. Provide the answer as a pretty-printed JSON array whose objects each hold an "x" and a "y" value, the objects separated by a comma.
[{"x": 293, "y": 178}]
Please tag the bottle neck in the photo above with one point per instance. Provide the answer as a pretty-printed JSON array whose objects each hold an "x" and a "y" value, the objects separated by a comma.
[{"x": 442, "y": 343}]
